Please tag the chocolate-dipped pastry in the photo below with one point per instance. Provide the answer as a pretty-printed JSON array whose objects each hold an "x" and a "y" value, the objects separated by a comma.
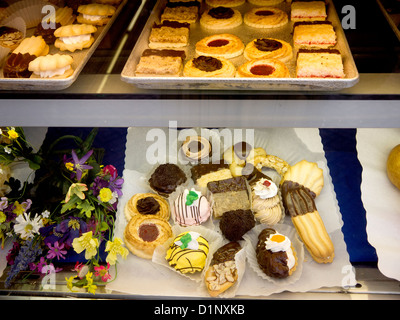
[
  {"x": 297, "y": 199},
  {"x": 226, "y": 253},
  {"x": 275, "y": 254},
  {"x": 166, "y": 178},
  {"x": 16, "y": 65},
  {"x": 47, "y": 34},
  {"x": 222, "y": 273},
  {"x": 234, "y": 224}
]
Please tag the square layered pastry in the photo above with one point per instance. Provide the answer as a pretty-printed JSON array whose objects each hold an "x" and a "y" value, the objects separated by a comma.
[
  {"x": 169, "y": 34},
  {"x": 314, "y": 34},
  {"x": 181, "y": 11},
  {"x": 308, "y": 11},
  {"x": 157, "y": 63},
  {"x": 322, "y": 63}
]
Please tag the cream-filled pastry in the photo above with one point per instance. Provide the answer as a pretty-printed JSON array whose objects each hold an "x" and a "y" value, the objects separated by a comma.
[
  {"x": 74, "y": 37},
  {"x": 55, "y": 66}
]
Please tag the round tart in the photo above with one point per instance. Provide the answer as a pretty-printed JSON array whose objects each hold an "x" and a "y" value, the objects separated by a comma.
[
  {"x": 263, "y": 68},
  {"x": 225, "y": 3},
  {"x": 220, "y": 45},
  {"x": 144, "y": 233},
  {"x": 268, "y": 48},
  {"x": 221, "y": 18},
  {"x": 265, "y": 18},
  {"x": 147, "y": 204},
  {"x": 196, "y": 148},
  {"x": 209, "y": 67}
]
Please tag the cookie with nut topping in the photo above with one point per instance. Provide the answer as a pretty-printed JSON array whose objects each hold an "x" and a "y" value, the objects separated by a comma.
[{"x": 222, "y": 272}]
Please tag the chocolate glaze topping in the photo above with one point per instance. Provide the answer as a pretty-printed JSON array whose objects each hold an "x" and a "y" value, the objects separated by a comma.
[
  {"x": 166, "y": 178},
  {"x": 221, "y": 13},
  {"x": 172, "y": 24},
  {"x": 148, "y": 205},
  {"x": 297, "y": 199},
  {"x": 234, "y": 224},
  {"x": 273, "y": 264},
  {"x": 267, "y": 44},
  {"x": 226, "y": 253},
  {"x": 208, "y": 64},
  {"x": 183, "y": 4},
  {"x": 16, "y": 65},
  {"x": 232, "y": 184},
  {"x": 202, "y": 169},
  {"x": 164, "y": 53}
]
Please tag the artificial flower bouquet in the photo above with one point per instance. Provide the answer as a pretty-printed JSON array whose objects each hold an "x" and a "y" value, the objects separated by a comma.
[{"x": 69, "y": 208}]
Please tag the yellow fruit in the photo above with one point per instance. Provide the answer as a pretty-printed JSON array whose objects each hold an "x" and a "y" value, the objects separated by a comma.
[{"x": 393, "y": 166}]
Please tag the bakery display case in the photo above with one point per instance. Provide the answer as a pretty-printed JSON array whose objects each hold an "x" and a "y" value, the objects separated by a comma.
[{"x": 347, "y": 126}]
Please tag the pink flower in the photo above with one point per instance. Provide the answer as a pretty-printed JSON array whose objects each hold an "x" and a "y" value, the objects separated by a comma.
[
  {"x": 111, "y": 170},
  {"x": 102, "y": 272},
  {"x": 81, "y": 269},
  {"x": 56, "y": 251}
]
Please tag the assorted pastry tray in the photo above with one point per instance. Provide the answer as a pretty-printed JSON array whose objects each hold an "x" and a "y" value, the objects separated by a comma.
[
  {"x": 246, "y": 34},
  {"x": 80, "y": 58},
  {"x": 149, "y": 269}
]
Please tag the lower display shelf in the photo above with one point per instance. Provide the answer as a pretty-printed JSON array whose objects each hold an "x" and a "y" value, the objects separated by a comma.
[
  {"x": 371, "y": 284},
  {"x": 362, "y": 269}
]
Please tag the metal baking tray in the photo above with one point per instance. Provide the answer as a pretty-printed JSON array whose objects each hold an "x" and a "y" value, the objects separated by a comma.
[
  {"x": 81, "y": 57},
  {"x": 246, "y": 34}
]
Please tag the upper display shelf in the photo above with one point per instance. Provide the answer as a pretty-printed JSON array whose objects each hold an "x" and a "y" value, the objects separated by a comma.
[{"x": 369, "y": 29}]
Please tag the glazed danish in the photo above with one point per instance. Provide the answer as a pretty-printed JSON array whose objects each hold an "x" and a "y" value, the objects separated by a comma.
[
  {"x": 146, "y": 204},
  {"x": 265, "y": 18},
  {"x": 221, "y": 18},
  {"x": 209, "y": 67},
  {"x": 144, "y": 233},
  {"x": 263, "y": 68},
  {"x": 268, "y": 48},
  {"x": 220, "y": 45}
]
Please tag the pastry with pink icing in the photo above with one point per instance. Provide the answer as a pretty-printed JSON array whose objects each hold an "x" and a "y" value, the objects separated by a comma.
[{"x": 191, "y": 208}]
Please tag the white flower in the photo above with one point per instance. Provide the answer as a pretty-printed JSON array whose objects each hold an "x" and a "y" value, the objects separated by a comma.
[
  {"x": 27, "y": 227},
  {"x": 7, "y": 150},
  {"x": 46, "y": 214}
]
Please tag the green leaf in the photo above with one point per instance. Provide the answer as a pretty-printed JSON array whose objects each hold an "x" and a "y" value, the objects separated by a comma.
[
  {"x": 104, "y": 226},
  {"x": 71, "y": 204},
  {"x": 86, "y": 208}
]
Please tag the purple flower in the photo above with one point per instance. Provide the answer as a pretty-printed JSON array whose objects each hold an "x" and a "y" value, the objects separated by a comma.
[
  {"x": 56, "y": 251},
  {"x": 79, "y": 164},
  {"x": 65, "y": 232},
  {"x": 116, "y": 185}
]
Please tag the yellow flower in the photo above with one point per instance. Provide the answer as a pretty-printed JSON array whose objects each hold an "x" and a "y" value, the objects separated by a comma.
[
  {"x": 86, "y": 243},
  {"x": 91, "y": 288},
  {"x": 19, "y": 208},
  {"x": 115, "y": 248},
  {"x": 105, "y": 194},
  {"x": 69, "y": 166},
  {"x": 78, "y": 189},
  {"x": 3, "y": 217},
  {"x": 12, "y": 134},
  {"x": 70, "y": 284}
]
